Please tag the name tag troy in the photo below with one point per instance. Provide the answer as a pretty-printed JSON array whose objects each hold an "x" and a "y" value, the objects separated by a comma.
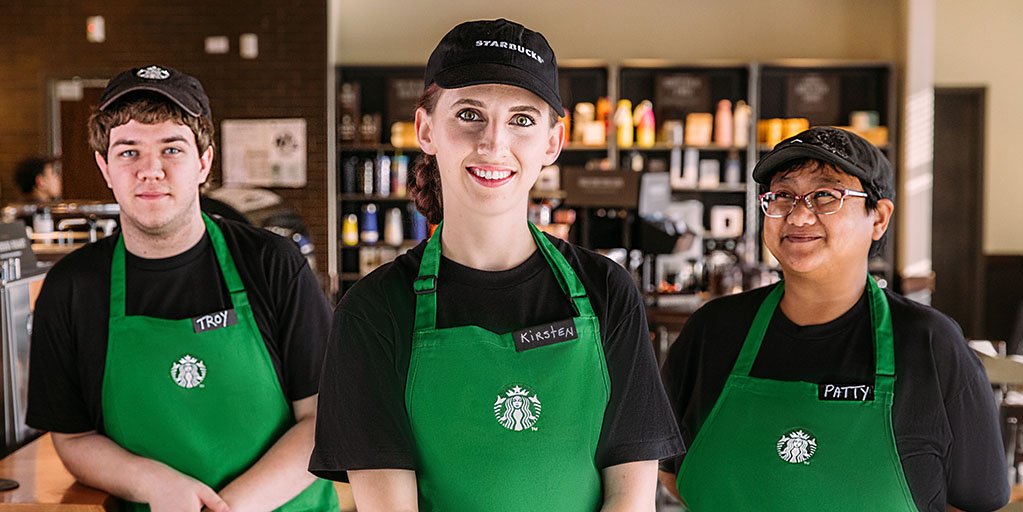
[
  {"x": 543, "y": 335},
  {"x": 845, "y": 393},
  {"x": 212, "y": 321}
]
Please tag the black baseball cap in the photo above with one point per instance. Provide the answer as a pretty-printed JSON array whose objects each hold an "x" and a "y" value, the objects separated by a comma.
[
  {"x": 496, "y": 52},
  {"x": 184, "y": 90},
  {"x": 849, "y": 152}
]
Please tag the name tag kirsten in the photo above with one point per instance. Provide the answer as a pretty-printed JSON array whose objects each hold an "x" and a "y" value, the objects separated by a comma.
[
  {"x": 845, "y": 393},
  {"x": 543, "y": 335},
  {"x": 212, "y": 321}
]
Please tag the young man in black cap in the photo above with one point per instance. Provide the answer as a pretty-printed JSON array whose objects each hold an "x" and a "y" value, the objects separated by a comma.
[
  {"x": 176, "y": 364},
  {"x": 492, "y": 367},
  {"x": 824, "y": 392}
]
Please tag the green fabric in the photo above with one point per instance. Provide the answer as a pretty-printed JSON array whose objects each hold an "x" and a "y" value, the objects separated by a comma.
[
  {"x": 497, "y": 429},
  {"x": 736, "y": 463},
  {"x": 223, "y": 416}
]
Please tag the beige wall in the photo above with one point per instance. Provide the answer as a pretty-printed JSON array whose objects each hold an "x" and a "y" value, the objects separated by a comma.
[
  {"x": 404, "y": 32},
  {"x": 979, "y": 43}
]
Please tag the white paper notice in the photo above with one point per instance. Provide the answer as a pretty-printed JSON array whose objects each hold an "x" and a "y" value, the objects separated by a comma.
[{"x": 264, "y": 152}]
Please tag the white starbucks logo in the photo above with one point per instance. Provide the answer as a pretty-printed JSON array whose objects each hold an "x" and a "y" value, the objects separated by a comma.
[
  {"x": 517, "y": 409},
  {"x": 188, "y": 372},
  {"x": 153, "y": 73},
  {"x": 796, "y": 447}
]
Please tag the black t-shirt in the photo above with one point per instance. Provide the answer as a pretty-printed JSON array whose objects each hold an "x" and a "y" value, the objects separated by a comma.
[
  {"x": 69, "y": 336},
  {"x": 362, "y": 422},
  {"x": 944, "y": 415}
]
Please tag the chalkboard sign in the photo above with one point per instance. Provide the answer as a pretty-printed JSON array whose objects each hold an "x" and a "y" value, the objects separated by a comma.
[
  {"x": 678, "y": 94},
  {"x": 402, "y": 95},
  {"x": 815, "y": 97}
]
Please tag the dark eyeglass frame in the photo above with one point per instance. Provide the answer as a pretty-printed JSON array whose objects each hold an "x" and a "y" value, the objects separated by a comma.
[{"x": 766, "y": 198}]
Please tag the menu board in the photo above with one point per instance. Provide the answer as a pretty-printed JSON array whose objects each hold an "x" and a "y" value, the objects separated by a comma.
[
  {"x": 678, "y": 94},
  {"x": 815, "y": 97}
]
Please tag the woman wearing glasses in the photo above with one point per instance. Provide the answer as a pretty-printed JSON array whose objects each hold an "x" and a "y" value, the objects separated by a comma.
[{"x": 825, "y": 392}]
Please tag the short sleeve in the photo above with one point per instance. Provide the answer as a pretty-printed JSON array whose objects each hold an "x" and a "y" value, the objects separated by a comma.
[
  {"x": 976, "y": 460},
  {"x": 361, "y": 421},
  {"x": 303, "y": 325},
  {"x": 638, "y": 423},
  {"x": 56, "y": 400}
]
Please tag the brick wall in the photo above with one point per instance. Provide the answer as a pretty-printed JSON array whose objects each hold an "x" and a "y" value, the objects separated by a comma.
[{"x": 44, "y": 40}]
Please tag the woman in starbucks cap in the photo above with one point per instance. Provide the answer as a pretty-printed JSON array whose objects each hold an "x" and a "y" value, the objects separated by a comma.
[{"x": 492, "y": 367}]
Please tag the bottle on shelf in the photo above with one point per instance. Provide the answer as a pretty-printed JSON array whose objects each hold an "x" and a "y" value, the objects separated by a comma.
[
  {"x": 399, "y": 182},
  {"x": 350, "y": 230},
  {"x": 383, "y": 176},
  {"x": 646, "y": 127},
  {"x": 623, "y": 124},
  {"x": 733, "y": 169},
  {"x": 740, "y": 121},
  {"x": 369, "y": 233},
  {"x": 350, "y": 175},
  {"x": 723, "y": 126},
  {"x": 393, "y": 229},
  {"x": 367, "y": 177}
]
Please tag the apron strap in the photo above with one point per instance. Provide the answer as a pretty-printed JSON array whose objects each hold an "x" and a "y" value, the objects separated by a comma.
[
  {"x": 224, "y": 259},
  {"x": 425, "y": 285},
  {"x": 881, "y": 323},
  {"x": 567, "y": 278},
  {"x": 884, "y": 339},
  {"x": 755, "y": 336}
]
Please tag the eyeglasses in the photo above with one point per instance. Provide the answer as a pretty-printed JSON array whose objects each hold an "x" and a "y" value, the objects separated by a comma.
[{"x": 823, "y": 201}]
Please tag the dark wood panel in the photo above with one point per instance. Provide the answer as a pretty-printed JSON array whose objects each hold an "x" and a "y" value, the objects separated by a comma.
[
  {"x": 1004, "y": 295},
  {"x": 44, "y": 40},
  {"x": 957, "y": 200}
]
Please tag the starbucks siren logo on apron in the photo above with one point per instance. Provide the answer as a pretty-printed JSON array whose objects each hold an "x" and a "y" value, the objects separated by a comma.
[
  {"x": 796, "y": 446},
  {"x": 188, "y": 372},
  {"x": 517, "y": 410}
]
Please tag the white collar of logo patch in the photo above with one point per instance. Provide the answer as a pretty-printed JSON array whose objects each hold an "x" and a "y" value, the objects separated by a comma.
[
  {"x": 153, "y": 73},
  {"x": 517, "y": 408},
  {"x": 796, "y": 446}
]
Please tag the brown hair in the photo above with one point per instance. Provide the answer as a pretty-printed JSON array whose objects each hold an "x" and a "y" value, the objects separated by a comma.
[
  {"x": 146, "y": 109},
  {"x": 424, "y": 185}
]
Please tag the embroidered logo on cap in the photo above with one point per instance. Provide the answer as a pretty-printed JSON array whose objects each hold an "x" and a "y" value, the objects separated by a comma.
[
  {"x": 188, "y": 372},
  {"x": 796, "y": 447},
  {"x": 511, "y": 46},
  {"x": 153, "y": 73},
  {"x": 517, "y": 410}
]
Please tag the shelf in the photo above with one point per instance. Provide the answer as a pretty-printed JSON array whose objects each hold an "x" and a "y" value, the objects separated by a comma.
[
  {"x": 374, "y": 147},
  {"x": 546, "y": 194},
  {"x": 408, "y": 244},
  {"x": 573, "y": 146},
  {"x": 664, "y": 146},
  {"x": 764, "y": 148},
  {"x": 724, "y": 188},
  {"x": 373, "y": 198}
]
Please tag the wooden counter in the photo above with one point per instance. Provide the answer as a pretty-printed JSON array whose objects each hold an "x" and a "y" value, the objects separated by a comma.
[{"x": 46, "y": 486}]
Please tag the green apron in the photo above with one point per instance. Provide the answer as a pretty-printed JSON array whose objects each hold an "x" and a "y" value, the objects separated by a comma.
[
  {"x": 498, "y": 428},
  {"x": 207, "y": 403},
  {"x": 772, "y": 445}
]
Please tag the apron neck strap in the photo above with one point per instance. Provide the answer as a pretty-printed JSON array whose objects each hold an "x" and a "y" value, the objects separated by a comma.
[
  {"x": 224, "y": 258},
  {"x": 425, "y": 284},
  {"x": 881, "y": 327}
]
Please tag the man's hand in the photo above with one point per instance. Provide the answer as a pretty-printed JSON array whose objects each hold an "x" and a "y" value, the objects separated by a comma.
[
  {"x": 170, "y": 491},
  {"x": 97, "y": 461}
]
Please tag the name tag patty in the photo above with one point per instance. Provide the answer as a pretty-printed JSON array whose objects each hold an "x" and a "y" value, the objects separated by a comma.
[
  {"x": 218, "y": 320},
  {"x": 845, "y": 392},
  {"x": 543, "y": 335}
]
